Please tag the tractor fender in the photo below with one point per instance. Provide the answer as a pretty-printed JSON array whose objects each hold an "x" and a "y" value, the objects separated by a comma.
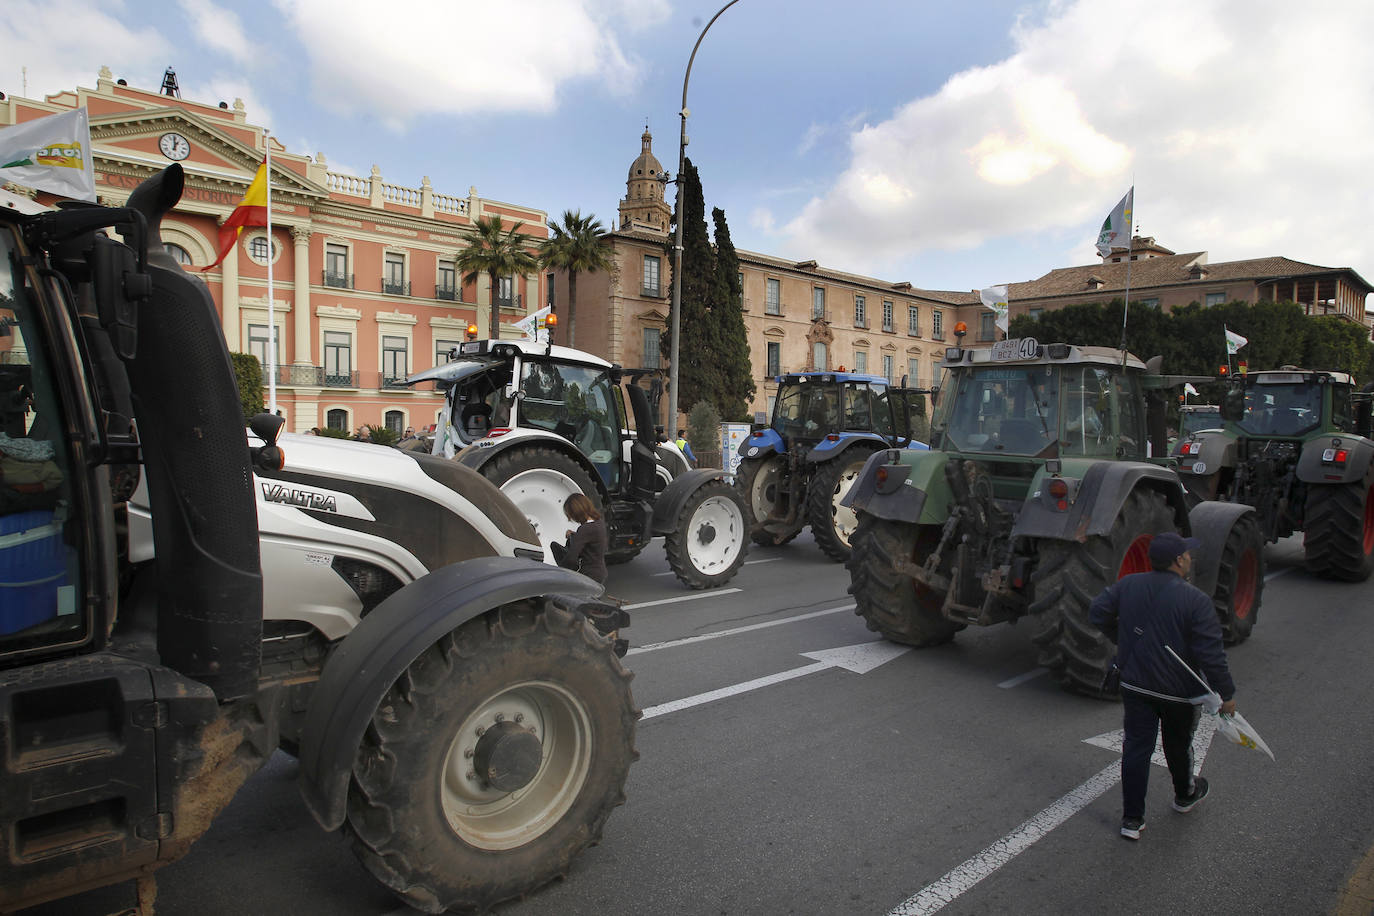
[
  {"x": 1311, "y": 468},
  {"x": 478, "y": 454},
  {"x": 1211, "y": 523},
  {"x": 371, "y": 658},
  {"x": 676, "y": 494},
  {"x": 896, "y": 500},
  {"x": 1218, "y": 452},
  {"x": 1102, "y": 490},
  {"x": 761, "y": 443},
  {"x": 828, "y": 450}
]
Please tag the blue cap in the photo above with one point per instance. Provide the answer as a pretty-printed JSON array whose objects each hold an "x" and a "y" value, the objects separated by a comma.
[{"x": 1169, "y": 546}]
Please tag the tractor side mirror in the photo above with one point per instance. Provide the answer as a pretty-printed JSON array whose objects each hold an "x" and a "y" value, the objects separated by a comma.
[
  {"x": 934, "y": 395},
  {"x": 1233, "y": 405}
]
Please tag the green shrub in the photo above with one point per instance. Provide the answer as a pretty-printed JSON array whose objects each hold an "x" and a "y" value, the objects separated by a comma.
[
  {"x": 331, "y": 433},
  {"x": 703, "y": 428},
  {"x": 382, "y": 435},
  {"x": 248, "y": 373}
]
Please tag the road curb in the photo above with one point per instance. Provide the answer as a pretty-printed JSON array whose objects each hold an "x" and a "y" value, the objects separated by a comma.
[{"x": 1358, "y": 897}]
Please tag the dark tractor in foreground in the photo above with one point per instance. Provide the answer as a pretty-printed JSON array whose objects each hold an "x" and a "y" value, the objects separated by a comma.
[
  {"x": 797, "y": 470},
  {"x": 469, "y": 730},
  {"x": 1036, "y": 493},
  {"x": 543, "y": 422},
  {"x": 1295, "y": 445}
]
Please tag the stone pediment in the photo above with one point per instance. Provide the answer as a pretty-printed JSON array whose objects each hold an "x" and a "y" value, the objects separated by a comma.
[
  {"x": 774, "y": 331},
  {"x": 653, "y": 315},
  {"x": 218, "y": 159}
]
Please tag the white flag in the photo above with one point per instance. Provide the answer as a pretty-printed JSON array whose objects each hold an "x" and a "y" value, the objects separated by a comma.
[
  {"x": 534, "y": 325},
  {"x": 1189, "y": 389},
  {"x": 1117, "y": 226},
  {"x": 1233, "y": 341},
  {"x": 52, "y": 153},
  {"x": 995, "y": 298}
]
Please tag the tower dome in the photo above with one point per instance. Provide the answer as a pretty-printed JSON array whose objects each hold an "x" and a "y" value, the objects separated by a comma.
[
  {"x": 647, "y": 165},
  {"x": 644, "y": 207}
]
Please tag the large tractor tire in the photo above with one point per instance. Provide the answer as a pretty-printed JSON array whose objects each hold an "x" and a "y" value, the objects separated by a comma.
[
  {"x": 833, "y": 525},
  {"x": 709, "y": 540},
  {"x": 1240, "y": 580},
  {"x": 890, "y": 602},
  {"x": 539, "y": 479},
  {"x": 1338, "y": 531},
  {"x": 494, "y": 760},
  {"x": 1069, "y": 575},
  {"x": 760, "y": 482}
]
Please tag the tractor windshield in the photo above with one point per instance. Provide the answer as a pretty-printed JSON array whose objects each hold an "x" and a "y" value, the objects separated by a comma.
[
  {"x": 807, "y": 410},
  {"x": 1191, "y": 421},
  {"x": 1009, "y": 410},
  {"x": 1289, "y": 409}
]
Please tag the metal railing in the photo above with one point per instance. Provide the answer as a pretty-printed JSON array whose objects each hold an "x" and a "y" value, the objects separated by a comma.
[
  {"x": 449, "y": 293},
  {"x": 395, "y": 287},
  {"x": 337, "y": 280},
  {"x": 386, "y": 380},
  {"x": 314, "y": 377},
  {"x": 339, "y": 380},
  {"x": 510, "y": 302}
]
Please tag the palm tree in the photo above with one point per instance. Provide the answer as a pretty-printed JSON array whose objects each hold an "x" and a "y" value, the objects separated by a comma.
[
  {"x": 576, "y": 246},
  {"x": 496, "y": 252}
]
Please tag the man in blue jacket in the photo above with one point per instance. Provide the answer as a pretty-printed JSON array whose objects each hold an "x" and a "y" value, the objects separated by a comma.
[{"x": 1142, "y": 614}]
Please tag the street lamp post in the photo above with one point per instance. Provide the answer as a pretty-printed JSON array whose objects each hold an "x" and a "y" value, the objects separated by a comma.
[{"x": 677, "y": 242}]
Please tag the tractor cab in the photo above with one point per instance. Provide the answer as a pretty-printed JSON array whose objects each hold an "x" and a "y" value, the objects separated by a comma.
[
  {"x": 811, "y": 406},
  {"x": 1290, "y": 404}
]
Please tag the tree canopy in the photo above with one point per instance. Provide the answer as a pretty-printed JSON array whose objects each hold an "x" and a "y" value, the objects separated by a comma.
[
  {"x": 576, "y": 246},
  {"x": 496, "y": 252}
]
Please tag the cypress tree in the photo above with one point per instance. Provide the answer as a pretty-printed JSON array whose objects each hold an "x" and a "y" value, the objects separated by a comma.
[
  {"x": 735, "y": 388},
  {"x": 695, "y": 357}
]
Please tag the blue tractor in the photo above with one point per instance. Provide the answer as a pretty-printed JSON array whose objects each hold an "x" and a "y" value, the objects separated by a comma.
[{"x": 796, "y": 470}]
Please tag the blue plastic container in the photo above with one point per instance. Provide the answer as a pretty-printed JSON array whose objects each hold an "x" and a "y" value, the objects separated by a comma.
[{"x": 33, "y": 566}]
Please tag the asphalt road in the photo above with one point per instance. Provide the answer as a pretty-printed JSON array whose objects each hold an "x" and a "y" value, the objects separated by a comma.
[{"x": 777, "y": 777}]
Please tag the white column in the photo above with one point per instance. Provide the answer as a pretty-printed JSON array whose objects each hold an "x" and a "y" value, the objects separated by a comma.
[
  {"x": 229, "y": 286},
  {"x": 301, "y": 236}
]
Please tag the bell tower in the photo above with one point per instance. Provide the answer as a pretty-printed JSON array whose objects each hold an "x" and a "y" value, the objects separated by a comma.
[{"x": 644, "y": 207}]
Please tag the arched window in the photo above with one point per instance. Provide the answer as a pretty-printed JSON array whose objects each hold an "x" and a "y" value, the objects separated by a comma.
[
  {"x": 181, "y": 255},
  {"x": 336, "y": 418},
  {"x": 395, "y": 421}
]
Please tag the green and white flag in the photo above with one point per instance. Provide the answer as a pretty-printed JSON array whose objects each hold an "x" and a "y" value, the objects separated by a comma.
[
  {"x": 1117, "y": 226},
  {"x": 51, "y": 154},
  {"x": 995, "y": 298},
  {"x": 1234, "y": 341}
]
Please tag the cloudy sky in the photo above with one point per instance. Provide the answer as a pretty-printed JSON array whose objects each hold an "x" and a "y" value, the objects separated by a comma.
[{"x": 949, "y": 145}]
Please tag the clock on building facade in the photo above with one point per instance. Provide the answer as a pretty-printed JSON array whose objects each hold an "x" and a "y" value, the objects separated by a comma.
[{"x": 174, "y": 146}]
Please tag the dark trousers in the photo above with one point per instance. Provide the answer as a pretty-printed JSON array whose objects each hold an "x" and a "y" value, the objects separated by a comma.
[{"x": 1145, "y": 718}]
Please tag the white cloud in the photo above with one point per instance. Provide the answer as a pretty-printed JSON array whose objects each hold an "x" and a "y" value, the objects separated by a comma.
[
  {"x": 92, "y": 35},
  {"x": 1244, "y": 124},
  {"x": 461, "y": 57},
  {"x": 219, "y": 28}
]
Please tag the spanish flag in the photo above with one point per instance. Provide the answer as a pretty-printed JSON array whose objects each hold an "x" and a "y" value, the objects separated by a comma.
[{"x": 251, "y": 211}]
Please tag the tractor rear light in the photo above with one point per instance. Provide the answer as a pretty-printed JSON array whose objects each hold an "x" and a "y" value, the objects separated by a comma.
[
  {"x": 758, "y": 434},
  {"x": 498, "y": 432},
  {"x": 1059, "y": 489},
  {"x": 881, "y": 476},
  {"x": 831, "y": 437},
  {"x": 1335, "y": 455}
]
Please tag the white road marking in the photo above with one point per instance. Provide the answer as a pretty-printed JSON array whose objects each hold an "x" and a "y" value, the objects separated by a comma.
[
  {"x": 689, "y": 597},
  {"x": 1274, "y": 575},
  {"x": 651, "y": 647},
  {"x": 1022, "y": 678},
  {"x": 860, "y": 659},
  {"x": 936, "y": 896}
]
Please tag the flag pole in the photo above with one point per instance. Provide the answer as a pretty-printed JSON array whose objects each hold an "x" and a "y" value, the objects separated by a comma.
[
  {"x": 1224, "y": 330},
  {"x": 1130, "y": 246},
  {"x": 271, "y": 303}
]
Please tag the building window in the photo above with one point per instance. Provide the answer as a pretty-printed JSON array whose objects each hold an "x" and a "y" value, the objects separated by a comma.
[
  {"x": 336, "y": 267},
  {"x": 257, "y": 344},
  {"x": 179, "y": 254},
  {"x": 395, "y": 420},
  {"x": 338, "y": 359},
  {"x": 548, "y": 280},
  {"x": 446, "y": 282},
  {"x": 887, "y": 367},
  {"x": 986, "y": 326},
  {"x": 1034, "y": 313},
  {"x": 817, "y": 303},
  {"x": 394, "y": 275},
  {"x": 913, "y": 373},
  {"x": 443, "y": 351},
  {"x": 774, "y": 361},
  {"x": 1215, "y": 299},
  {"x": 913, "y": 321},
  {"x": 336, "y": 418},
  {"x": 773, "y": 300},
  {"x": 860, "y": 312},
  {"x": 652, "y": 263},
  {"x": 653, "y": 349},
  {"x": 818, "y": 356},
  {"x": 937, "y": 324},
  {"x": 260, "y": 249},
  {"x": 1152, "y": 303},
  {"x": 505, "y": 292},
  {"x": 860, "y": 360},
  {"x": 394, "y": 360},
  {"x": 887, "y": 315}
]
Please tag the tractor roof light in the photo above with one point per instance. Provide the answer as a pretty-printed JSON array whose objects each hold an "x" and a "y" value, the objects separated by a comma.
[
  {"x": 954, "y": 354},
  {"x": 960, "y": 329},
  {"x": 472, "y": 332}
]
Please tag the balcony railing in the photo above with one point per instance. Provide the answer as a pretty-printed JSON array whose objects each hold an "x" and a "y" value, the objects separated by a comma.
[
  {"x": 314, "y": 377},
  {"x": 396, "y": 287},
  {"x": 510, "y": 302},
  {"x": 387, "y": 380},
  {"x": 340, "y": 380},
  {"x": 337, "y": 280},
  {"x": 449, "y": 293}
]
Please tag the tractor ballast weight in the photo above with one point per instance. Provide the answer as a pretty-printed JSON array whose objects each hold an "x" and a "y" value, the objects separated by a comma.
[{"x": 1037, "y": 492}]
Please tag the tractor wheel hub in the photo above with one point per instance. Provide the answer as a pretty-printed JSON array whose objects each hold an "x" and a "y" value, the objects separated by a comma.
[{"x": 508, "y": 756}]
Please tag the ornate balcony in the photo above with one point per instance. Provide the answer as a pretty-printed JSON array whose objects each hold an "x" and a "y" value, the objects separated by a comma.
[{"x": 337, "y": 280}]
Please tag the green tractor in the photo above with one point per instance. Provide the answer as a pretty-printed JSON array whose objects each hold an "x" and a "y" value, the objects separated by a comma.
[
  {"x": 1038, "y": 491},
  {"x": 1296, "y": 446}
]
